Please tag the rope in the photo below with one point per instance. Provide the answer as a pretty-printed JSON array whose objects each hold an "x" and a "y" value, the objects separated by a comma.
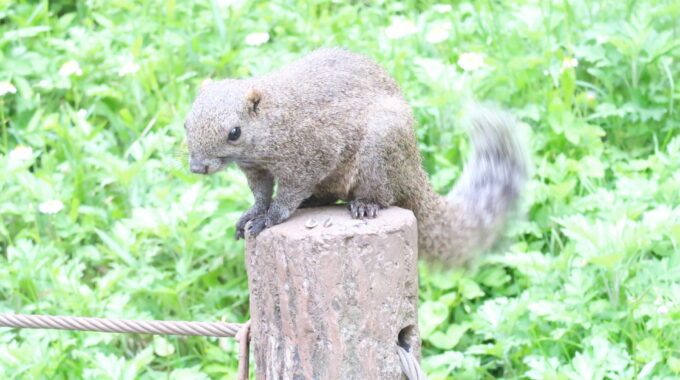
[
  {"x": 409, "y": 365},
  {"x": 243, "y": 337},
  {"x": 219, "y": 329}
]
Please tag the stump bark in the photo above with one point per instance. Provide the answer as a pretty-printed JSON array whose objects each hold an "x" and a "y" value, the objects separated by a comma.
[{"x": 331, "y": 302}]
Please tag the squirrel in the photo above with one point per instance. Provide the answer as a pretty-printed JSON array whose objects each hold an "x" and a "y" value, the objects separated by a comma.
[{"x": 334, "y": 125}]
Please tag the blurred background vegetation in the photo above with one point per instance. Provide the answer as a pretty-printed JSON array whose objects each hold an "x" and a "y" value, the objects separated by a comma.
[{"x": 99, "y": 215}]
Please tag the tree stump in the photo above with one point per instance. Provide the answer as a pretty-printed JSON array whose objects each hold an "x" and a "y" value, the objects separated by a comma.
[{"x": 332, "y": 301}]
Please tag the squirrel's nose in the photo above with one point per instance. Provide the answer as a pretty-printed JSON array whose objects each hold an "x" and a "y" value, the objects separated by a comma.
[{"x": 198, "y": 167}]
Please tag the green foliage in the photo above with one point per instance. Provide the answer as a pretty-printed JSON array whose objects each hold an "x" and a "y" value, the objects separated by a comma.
[{"x": 590, "y": 288}]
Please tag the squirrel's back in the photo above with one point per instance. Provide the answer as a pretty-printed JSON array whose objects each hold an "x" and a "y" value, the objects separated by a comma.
[{"x": 330, "y": 74}]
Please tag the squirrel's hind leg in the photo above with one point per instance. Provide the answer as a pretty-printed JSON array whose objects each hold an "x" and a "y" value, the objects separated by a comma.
[{"x": 380, "y": 157}]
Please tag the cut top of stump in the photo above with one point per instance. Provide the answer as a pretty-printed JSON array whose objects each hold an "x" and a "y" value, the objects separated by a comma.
[{"x": 299, "y": 226}]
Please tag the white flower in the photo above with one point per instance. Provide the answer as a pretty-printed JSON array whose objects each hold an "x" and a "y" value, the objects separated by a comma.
[
  {"x": 590, "y": 96},
  {"x": 255, "y": 39},
  {"x": 442, "y": 8},
  {"x": 7, "y": 88},
  {"x": 471, "y": 61},
  {"x": 437, "y": 34},
  {"x": 52, "y": 206},
  {"x": 21, "y": 153},
  {"x": 44, "y": 83},
  {"x": 82, "y": 114},
  {"x": 663, "y": 309},
  {"x": 400, "y": 28},
  {"x": 569, "y": 63},
  {"x": 70, "y": 68},
  {"x": 128, "y": 68}
]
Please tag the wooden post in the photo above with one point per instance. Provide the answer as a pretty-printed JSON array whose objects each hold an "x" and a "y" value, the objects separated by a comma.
[{"x": 332, "y": 301}]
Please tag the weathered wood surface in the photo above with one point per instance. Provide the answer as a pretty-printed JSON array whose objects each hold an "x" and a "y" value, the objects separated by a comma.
[{"x": 329, "y": 302}]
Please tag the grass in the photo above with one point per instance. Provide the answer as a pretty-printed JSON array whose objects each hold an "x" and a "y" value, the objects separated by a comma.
[{"x": 587, "y": 285}]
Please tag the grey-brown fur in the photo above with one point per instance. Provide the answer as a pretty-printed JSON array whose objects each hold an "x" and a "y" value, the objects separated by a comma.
[{"x": 334, "y": 125}]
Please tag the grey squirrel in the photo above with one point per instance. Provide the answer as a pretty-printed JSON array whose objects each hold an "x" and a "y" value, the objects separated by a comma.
[{"x": 335, "y": 126}]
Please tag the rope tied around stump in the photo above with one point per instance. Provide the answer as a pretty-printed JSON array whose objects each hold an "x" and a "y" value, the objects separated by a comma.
[
  {"x": 239, "y": 331},
  {"x": 410, "y": 365}
]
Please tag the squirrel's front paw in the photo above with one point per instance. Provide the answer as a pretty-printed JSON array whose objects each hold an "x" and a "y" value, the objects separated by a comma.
[
  {"x": 275, "y": 215},
  {"x": 247, "y": 216}
]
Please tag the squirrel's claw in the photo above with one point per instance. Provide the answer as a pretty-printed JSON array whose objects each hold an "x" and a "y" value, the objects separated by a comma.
[
  {"x": 240, "y": 233},
  {"x": 363, "y": 209},
  {"x": 250, "y": 214},
  {"x": 257, "y": 225}
]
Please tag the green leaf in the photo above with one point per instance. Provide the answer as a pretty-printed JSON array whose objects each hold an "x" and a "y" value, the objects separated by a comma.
[
  {"x": 430, "y": 315},
  {"x": 607, "y": 261},
  {"x": 449, "y": 339},
  {"x": 162, "y": 347},
  {"x": 25, "y": 33},
  {"x": 469, "y": 289},
  {"x": 674, "y": 364},
  {"x": 563, "y": 189},
  {"x": 494, "y": 277},
  {"x": 116, "y": 248},
  {"x": 442, "y": 279},
  {"x": 592, "y": 167}
]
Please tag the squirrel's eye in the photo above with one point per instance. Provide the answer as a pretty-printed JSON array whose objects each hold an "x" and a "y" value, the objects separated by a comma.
[{"x": 235, "y": 133}]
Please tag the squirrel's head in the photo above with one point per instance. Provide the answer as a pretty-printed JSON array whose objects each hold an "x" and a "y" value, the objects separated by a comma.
[{"x": 222, "y": 125}]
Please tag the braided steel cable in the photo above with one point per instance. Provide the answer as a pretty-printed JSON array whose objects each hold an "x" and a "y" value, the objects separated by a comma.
[
  {"x": 218, "y": 329},
  {"x": 410, "y": 365}
]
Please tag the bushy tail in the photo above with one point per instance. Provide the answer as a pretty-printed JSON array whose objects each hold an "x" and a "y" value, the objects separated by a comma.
[{"x": 478, "y": 206}]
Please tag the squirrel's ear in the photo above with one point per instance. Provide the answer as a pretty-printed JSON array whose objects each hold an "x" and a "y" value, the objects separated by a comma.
[
  {"x": 253, "y": 97},
  {"x": 205, "y": 83}
]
